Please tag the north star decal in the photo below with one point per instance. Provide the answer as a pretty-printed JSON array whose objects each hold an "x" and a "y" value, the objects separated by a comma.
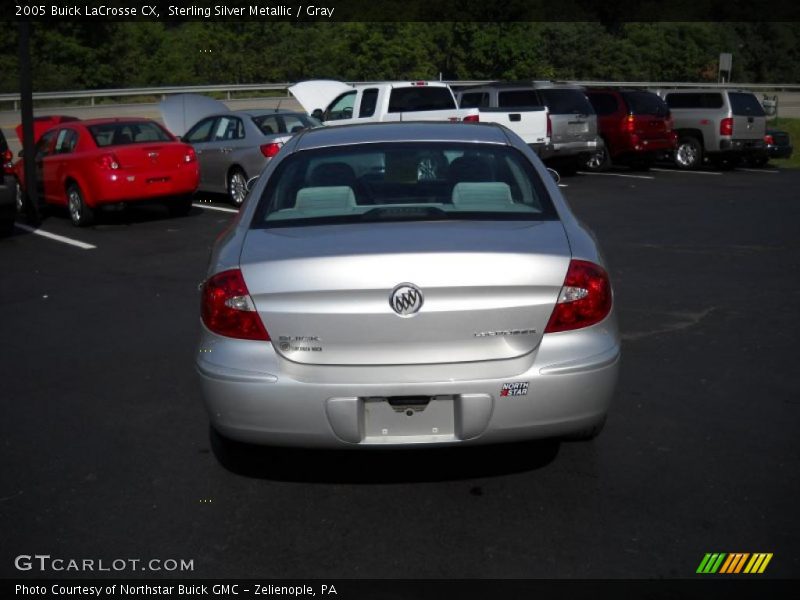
[{"x": 514, "y": 389}]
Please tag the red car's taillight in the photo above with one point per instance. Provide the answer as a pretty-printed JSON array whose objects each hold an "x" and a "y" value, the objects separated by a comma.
[
  {"x": 472, "y": 119},
  {"x": 8, "y": 161},
  {"x": 629, "y": 124},
  {"x": 585, "y": 298},
  {"x": 726, "y": 126},
  {"x": 190, "y": 156},
  {"x": 227, "y": 308},
  {"x": 270, "y": 150},
  {"x": 108, "y": 162}
]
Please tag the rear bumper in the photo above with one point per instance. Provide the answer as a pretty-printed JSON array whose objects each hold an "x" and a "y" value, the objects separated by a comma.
[
  {"x": 569, "y": 149},
  {"x": 775, "y": 151},
  {"x": 570, "y": 383},
  {"x": 132, "y": 187},
  {"x": 739, "y": 146},
  {"x": 636, "y": 146}
]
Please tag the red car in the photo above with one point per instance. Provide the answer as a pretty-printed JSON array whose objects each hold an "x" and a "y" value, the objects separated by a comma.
[
  {"x": 84, "y": 165},
  {"x": 636, "y": 127}
]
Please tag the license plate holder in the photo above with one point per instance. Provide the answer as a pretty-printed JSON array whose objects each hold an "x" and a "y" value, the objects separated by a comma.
[{"x": 408, "y": 422}]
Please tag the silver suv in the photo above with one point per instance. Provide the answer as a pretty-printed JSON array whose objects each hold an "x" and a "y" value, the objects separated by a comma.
[
  {"x": 719, "y": 125},
  {"x": 572, "y": 120}
]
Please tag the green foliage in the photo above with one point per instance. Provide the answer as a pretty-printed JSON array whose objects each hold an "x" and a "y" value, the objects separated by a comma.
[{"x": 74, "y": 55}]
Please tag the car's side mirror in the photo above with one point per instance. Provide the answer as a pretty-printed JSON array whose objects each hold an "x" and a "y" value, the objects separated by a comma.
[
  {"x": 317, "y": 114},
  {"x": 554, "y": 174},
  {"x": 21, "y": 153},
  {"x": 250, "y": 183}
]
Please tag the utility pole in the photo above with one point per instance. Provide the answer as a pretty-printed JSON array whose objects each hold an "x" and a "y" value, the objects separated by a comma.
[{"x": 26, "y": 104}]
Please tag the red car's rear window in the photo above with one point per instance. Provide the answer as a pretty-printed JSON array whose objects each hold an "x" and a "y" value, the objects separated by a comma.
[{"x": 119, "y": 134}]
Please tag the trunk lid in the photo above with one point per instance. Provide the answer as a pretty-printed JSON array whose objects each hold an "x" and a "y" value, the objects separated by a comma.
[
  {"x": 181, "y": 111},
  {"x": 323, "y": 293},
  {"x": 155, "y": 157}
]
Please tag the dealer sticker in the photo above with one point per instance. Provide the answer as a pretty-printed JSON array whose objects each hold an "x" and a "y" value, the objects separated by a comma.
[{"x": 519, "y": 388}]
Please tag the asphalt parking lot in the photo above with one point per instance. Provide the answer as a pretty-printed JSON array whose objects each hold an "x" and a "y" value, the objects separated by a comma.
[{"x": 106, "y": 450}]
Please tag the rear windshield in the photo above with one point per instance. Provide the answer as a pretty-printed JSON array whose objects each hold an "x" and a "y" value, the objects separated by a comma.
[
  {"x": 745, "y": 105},
  {"x": 284, "y": 123},
  {"x": 567, "y": 102},
  {"x": 118, "y": 134},
  {"x": 411, "y": 181},
  {"x": 645, "y": 103},
  {"x": 694, "y": 100},
  {"x": 421, "y": 97},
  {"x": 513, "y": 98}
]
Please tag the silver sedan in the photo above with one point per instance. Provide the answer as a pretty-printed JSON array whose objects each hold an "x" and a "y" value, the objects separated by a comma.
[
  {"x": 233, "y": 146},
  {"x": 396, "y": 285}
]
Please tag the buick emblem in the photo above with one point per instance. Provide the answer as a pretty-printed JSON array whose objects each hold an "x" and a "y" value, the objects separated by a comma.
[{"x": 406, "y": 299}]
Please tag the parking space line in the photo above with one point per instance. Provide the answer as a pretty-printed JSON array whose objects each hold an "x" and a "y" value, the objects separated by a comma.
[
  {"x": 773, "y": 171},
  {"x": 687, "y": 172},
  {"x": 57, "y": 238},
  {"x": 618, "y": 175},
  {"x": 219, "y": 208}
]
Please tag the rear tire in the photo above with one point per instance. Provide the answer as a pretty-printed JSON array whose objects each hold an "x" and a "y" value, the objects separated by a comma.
[
  {"x": 237, "y": 186},
  {"x": 80, "y": 213},
  {"x": 179, "y": 207},
  {"x": 599, "y": 160},
  {"x": 689, "y": 153},
  {"x": 21, "y": 199},
  {"x": 759, "y": 161}
]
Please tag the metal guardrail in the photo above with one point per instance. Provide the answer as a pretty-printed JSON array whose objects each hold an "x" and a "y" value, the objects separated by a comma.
[{"x": 92, "y": 95}]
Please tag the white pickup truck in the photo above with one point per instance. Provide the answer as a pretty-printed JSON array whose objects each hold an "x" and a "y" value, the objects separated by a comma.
[
  {"x": 530, "y": 122},
  {"x": 339, "y": 103}
]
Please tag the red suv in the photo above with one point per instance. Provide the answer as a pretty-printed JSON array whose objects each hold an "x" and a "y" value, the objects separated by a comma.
[{"x": 636, "y": 127}]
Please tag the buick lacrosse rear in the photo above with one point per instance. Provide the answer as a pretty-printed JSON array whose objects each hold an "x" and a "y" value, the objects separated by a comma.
[{"x": 406, "y": 284}]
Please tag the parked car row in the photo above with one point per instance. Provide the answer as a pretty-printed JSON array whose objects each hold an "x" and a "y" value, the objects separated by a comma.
[
  {"x": 85, "y": 165},
  {"x": 594, "y": 128}
]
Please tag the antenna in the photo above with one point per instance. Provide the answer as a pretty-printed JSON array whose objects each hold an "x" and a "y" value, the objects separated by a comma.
[{"x": 277, "y": 108}]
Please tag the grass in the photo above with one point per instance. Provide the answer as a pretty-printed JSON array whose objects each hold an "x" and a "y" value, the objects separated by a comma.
[{"x": 792, "y": 127}]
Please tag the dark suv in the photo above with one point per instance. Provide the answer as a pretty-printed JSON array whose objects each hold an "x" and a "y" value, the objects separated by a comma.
[
  {"x": 8, "y": 187},
  {"x": 635, "y": 125}
]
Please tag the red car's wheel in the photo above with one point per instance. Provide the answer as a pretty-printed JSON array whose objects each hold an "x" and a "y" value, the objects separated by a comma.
[{"x": 80, "y": 213}]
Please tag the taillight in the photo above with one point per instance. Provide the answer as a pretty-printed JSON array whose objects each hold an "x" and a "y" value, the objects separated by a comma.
[
  {"x": 190, "y": 156},
  {"x": 726, "y": 126},
  {"x": 472, "y": 119},
  {"x": 8, "y": 161},
  {"x": 549, "y": 126},
  {"x": 768, "y": 139},
  {"x": 270, "y": 150},
  {"x": 108, "y": 162},
  {"x": 585, "y": 298},
  {"x": 227, "y": 308},
  {"x": 629, "y": 124}
]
